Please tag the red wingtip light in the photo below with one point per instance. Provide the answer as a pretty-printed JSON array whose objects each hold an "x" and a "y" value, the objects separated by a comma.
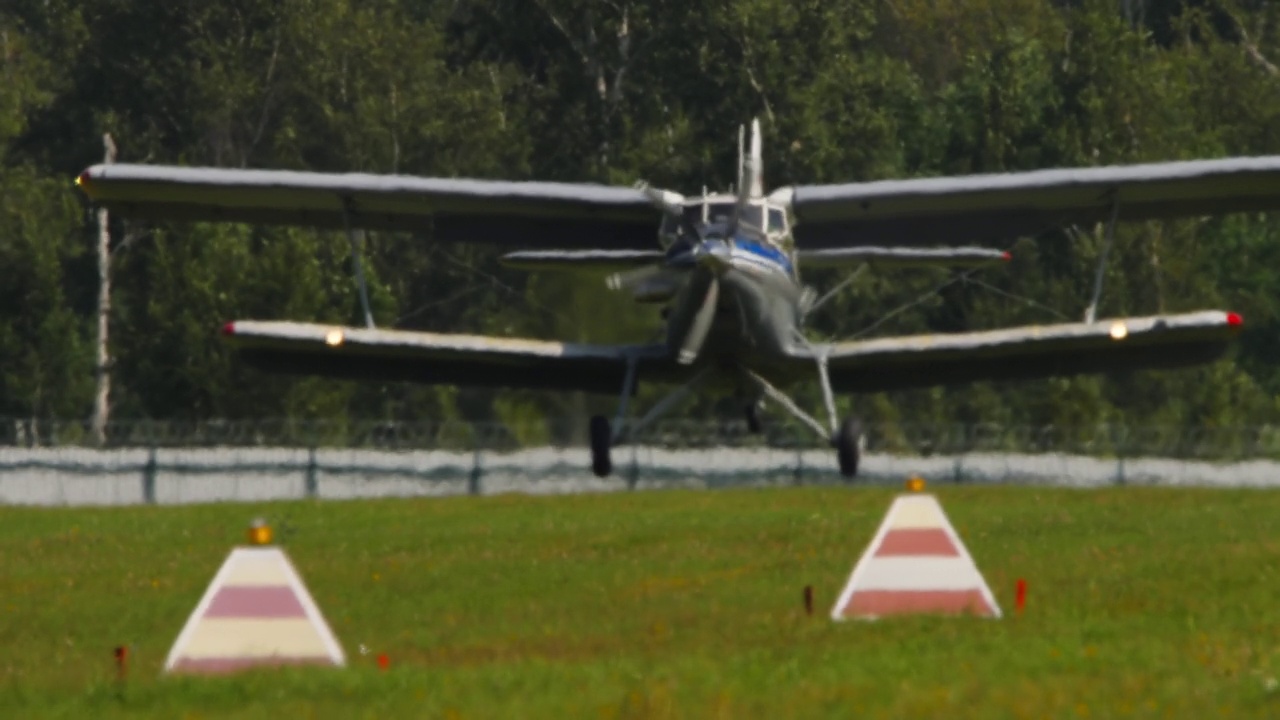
[
  {"x": 229, "y": 329},
  {"x": 1234, "y": 319},
  {"x": 1006, "y": 256}
]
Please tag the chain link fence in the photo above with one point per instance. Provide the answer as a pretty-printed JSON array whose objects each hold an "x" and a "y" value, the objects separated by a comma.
[
  {"x": 63, "y": 463},
  {"x": 1101, "y": 440}
]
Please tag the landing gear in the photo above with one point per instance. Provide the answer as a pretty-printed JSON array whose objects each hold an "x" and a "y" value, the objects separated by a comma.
[
  {"x": 601, "y": 442},
  {"x": 604, "y": 436},
  {"x": 845, "y": 437},
  {"x": 846, "y": 441}
]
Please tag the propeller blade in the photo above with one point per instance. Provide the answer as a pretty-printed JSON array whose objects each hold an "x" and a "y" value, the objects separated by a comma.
[
  {"x": 671, "y": 203},
  {"x": 691, "y": 344},
  {"x": 650, "y": 283},
  {"x": 628, "y": 279}
]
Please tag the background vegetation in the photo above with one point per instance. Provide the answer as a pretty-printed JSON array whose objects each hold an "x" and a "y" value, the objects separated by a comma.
[{"x": 610, "y": 91}]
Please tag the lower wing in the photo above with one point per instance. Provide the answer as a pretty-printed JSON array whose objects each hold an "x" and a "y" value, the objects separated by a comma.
[
  {"x": 434, "y": 358},
  {"x": 1038, "y": 351}
]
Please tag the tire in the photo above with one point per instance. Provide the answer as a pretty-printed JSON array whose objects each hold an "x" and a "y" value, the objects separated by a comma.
[
  {"x": 847, "y": 451},
  {"x": 601, "y": 441}
]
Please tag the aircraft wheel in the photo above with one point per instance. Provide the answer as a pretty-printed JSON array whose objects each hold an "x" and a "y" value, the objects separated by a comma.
[
  {"x": 753, "y": 419},
  {"x": 847, "y": 450},
  {"x": 601, "y": 440}
]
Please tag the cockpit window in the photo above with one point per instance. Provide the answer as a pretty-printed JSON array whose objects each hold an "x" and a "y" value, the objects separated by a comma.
[{"x": 777, "y": 221}]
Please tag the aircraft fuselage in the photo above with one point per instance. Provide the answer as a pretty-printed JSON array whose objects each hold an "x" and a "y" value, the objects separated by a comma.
[{"x": 758, "y": 309}]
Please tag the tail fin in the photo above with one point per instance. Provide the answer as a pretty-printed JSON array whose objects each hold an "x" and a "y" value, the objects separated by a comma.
[
  {"x": 750, "y": 168},
  {"x": 755, "y": 166},
  {"x": 742, "y": 158}
]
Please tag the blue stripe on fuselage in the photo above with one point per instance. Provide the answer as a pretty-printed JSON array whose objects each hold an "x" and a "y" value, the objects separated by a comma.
[{"x": 767, "y": 252}]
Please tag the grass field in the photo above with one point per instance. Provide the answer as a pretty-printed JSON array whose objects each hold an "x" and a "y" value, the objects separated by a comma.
[{"x": 1142, "y": 603}]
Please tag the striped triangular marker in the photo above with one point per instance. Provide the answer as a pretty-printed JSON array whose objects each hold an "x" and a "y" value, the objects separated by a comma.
[
  {"x": 255, "y": 612},
  {"x": 915, "y": 564}
]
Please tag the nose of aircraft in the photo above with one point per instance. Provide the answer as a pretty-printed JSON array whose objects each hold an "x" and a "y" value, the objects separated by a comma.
[{"x": 713, "y": 255}]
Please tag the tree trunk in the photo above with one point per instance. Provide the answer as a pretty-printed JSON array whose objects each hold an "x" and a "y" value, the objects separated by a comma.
[{"x": 101, "y": 402}]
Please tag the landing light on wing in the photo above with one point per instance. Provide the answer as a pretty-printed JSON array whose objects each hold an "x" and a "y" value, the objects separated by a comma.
[
  {"x": 1119, "y": 331},
  {"x": 333, "y": 338}
]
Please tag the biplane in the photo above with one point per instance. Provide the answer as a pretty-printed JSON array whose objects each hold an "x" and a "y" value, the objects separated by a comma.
[{"x": 727, "y": 270}]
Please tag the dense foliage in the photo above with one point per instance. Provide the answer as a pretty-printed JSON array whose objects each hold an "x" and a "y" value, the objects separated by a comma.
[{"x": 611, "y": 91}]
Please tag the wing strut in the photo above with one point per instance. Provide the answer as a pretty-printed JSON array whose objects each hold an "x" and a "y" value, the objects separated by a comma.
[
  {"x": 628, "y": 387},
  {"x": 828, "y": 400},
  {"x": 1091, "y": 312},
  {"x": 347, "y": 212},
  {"x": 824, "y": 376}
]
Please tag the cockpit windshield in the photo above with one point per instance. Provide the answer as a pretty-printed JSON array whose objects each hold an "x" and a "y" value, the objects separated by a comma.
[
  {"x": 777, "y": 221},
  {"x": 771, "y": 220},
  {"x": 718, "y": 213}
]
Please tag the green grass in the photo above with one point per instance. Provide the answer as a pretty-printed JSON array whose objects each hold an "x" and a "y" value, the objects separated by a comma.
[{"x": 1141, "y": 603}]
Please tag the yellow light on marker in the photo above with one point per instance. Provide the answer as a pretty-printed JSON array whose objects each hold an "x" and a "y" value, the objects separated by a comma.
[
  {"x": 259, "y": 532},
  {"x": 915, "y": 483},
  {"x": 1119, "y": 331},
  {"x": 334, "y": 338}
]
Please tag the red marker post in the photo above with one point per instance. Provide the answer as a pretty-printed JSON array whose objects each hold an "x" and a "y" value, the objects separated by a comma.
[
  {"x": 122, "y": 662},
  {"x": 384, "y": 662},
  {"x": 1021, "y": 599}
]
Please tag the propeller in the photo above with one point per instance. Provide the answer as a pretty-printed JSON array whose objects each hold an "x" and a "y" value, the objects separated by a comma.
[
  {"x": 671, "y": 204},
  {"x": 633, "y": 280},
  {"x": 704, "y": 283},
  {"x": 663, "y": 275}
]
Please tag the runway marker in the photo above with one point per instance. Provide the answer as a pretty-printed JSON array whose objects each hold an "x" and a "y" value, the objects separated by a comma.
[
  {"x": 915, "y": 564},
  {"x": 255, "y": 612}
]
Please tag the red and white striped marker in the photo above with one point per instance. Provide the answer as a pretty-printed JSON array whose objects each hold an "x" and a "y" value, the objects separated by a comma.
[
  {"x": 255, "y": 612},
  {"x": 915, "y": 564}
]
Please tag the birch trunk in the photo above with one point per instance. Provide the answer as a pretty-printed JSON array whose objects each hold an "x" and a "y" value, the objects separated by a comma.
[{"x": 101, "y": 400}]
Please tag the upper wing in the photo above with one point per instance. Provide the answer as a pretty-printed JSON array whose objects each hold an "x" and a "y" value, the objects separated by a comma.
[
  {"x": 1162, "y": 341},
  {"x": 1000, "y": 207},
  {"x": 434, "y": 358},
  {"x": 525, "y": 213}
]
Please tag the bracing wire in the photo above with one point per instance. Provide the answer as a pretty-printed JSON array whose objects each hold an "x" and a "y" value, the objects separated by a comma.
[{"x": 966, "y": 277}]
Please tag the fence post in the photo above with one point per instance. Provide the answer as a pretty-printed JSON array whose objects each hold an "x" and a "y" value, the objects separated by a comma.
[
  {"x": 633, "y": 477},
  {"x": 310, "y": 483},
  {"x": 1120, "y": 443},
  {"x": 473, "y": 482},
  {"x": 149, "y": 477},
  {"x": 799, "y": 474}
]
